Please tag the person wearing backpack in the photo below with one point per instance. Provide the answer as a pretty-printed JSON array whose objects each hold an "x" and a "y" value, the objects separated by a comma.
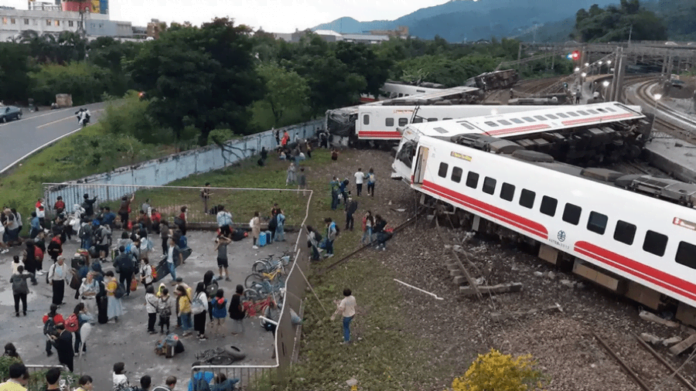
[
  {"x": 20, "y": 289},
  {"x": 236, "y": 311},
  {"x": 74, "y": 324},
  {"x": 313, "y": 239},
  {"x": 58, "y": 274},
  {"x": 371, "y": 183},
  {"x": 146, "y": 276},
  {"x": 219, "y": 312},
  {"x": 343, "y": 189},
  {"x": 279, "y": 235},
  {"x": 114, "y": 292},
  {"x": 151, "y": 304},
  {"x": 165, "y": 310},
  {"x": 331, "y": 233},
  {"x": 125, "y": 266},
  {"x": 351, "y": 208},
  {"x": 199, "y": 307},
  {"x": 85, "y": 234},
  {"x": 50, "y": 320},
  {"x": 30, "y": 259},
  {"x": 62, "y": 341},
  {"x": 184, "y": 311}
]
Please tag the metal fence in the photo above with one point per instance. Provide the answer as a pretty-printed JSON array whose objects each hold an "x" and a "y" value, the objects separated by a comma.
[{"x": 173, "y": 167}]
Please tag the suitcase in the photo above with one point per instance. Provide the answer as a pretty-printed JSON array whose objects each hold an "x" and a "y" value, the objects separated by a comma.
[
  {"x": 262, "y": 239},
  {"x": 269, "y": 237}
]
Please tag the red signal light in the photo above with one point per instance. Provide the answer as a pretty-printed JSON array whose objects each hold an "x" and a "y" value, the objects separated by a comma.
[{"x": 576, "y": 55}]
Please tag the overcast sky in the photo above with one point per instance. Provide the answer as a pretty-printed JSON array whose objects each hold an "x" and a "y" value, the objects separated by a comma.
[{"x": 281, "y": 16}]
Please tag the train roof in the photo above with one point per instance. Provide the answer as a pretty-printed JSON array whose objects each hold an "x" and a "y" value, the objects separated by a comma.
[
  {"x": 430, "y": 97},
  {"x": 533, "y": 121}
]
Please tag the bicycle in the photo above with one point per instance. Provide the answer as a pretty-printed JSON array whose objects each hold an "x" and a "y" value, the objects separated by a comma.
[
  {"x": 273, "y": 277},
  {"x": 268, "y": 265}
]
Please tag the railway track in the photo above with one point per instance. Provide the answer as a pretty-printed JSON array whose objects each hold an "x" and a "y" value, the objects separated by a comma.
[{"x": 676, "y": 124}]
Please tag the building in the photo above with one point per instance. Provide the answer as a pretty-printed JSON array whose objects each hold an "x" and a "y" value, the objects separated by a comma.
[
  {"x": 332, "y": 36},
  {"x": 54, "y": 21},
  {"x": 155, "y": 27},
  {"x": 400, "y": 32}
]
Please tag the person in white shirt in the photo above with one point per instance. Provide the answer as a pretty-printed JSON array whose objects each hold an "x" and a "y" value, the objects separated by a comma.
[
  {"x": 88, "y": 292},
  {"x": 119, "y": 377},
  {"x": 151, "y": 303},
  {"x": 58, "y": 274},
  {"x": 224, "y": 221},
  {"x": 346, "y": 307},
  {"x": 359, "y": 178}
]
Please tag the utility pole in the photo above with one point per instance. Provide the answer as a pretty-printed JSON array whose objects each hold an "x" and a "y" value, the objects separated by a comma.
[{"x": 630, "y": 33}]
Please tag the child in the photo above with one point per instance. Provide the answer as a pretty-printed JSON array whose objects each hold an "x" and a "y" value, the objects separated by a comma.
[
  {"x": 219, "y": 305},
  {"x": 165, "y": 309}
]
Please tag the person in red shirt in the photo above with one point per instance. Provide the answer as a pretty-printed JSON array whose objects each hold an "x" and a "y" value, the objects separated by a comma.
[
  {"x": 59, "y": 205},
  {"x": 156, "y": 220},
  {"x": 57, "y": 318},
  {"x": 181, "y": 220},
  {"x": 286, "y": 139}
]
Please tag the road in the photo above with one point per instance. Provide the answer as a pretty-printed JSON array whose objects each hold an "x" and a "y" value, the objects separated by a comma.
[{"x": 19, "y": 139}]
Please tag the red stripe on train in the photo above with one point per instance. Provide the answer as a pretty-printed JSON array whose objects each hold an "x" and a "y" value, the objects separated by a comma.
[
  {"x": 642, "y": 271},
  {"x": 518, "y": 129},
  {"x": 520, "y": 222},
  {"x": 607, "y": 117},
  {"x": 379, "y": 134}
]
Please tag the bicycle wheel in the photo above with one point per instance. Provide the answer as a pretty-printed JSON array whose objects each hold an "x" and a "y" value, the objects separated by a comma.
[
  {"x": 252, "y": 279},
  {"x": 252, "y": 294},
  {"x": 260, "y": 267},
  {"x": 222, "y": 360}
]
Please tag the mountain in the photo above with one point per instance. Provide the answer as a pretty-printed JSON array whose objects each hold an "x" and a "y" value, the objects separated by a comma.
[{"x": 470, "y": 20}]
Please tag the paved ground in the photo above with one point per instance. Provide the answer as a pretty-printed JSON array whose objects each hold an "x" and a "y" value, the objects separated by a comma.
[
  {"x": 128, "y": 340},
  {"x": 19, "y": 138}
]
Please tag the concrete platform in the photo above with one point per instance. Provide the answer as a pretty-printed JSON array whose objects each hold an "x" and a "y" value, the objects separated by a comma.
[
  {"x": 128, "y": 341},
  {"x": 676, "y": 157}
]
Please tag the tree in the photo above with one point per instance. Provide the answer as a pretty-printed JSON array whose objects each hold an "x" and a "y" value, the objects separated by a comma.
[
  {"x": 200, "y": 77},
  {"x": 362, "y": 60},
  {"x": 15, "y": 82},
  {"x": 285, "y": 90},
  {"x": 614, "y": 24}
]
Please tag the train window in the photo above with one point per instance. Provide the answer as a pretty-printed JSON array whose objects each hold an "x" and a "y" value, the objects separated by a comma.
[
  {"x": 655, "y": 243},
  {"x": 548, "y": 206},
  {"x": 562, "y": 115},
  {"x": 504, "y": 122},
  {"x": 417, "y": 120},
  {"x": 571, "y": 214},
  {"x": 592, "y": 112},
  {"x": 445, "y": 119},
  {"x": 527, "y": 198},
  {"x": 609, "y": 109},
  {"x": 401, "y": 95},
  {"x": 366, "y": 119},
  {"x": 551, "y": 116},
  {"x": 432, "y": 119},
  {"x": 573, "y": 114},
  {"x": 456, "y": 174},
  {"x": 489, "y": 185},
  {"x": 582, "y": 112},
  {"x": 597, "y": 223},
  {"x": 686, "y": 255},
  {"x": 491, "y": 124},
  {"x": 624, "y": 232},
  {"x": 472, "y": 179},
  {"x": 403, "y": 121},
  {"x": 464, "y": 124},
  {"x": 442, "y": 172},
  {"x": 540, "y": 117},
  {"x": 517, "y": 120},
  {"x": 528, "y": 119},
  {"x": 389, "y": 122},
  {"x": 507, "y": 192}
]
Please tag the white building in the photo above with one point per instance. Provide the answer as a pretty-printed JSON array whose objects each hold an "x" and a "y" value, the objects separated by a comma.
[
  {"x": 13, "y": 22},
  {"x": 332, "y": 36}
]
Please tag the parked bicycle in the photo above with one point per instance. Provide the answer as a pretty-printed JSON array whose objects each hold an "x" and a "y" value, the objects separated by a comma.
[{"x": 268, "y": 265}]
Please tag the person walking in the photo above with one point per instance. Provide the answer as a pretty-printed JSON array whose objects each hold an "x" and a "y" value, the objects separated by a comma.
[
  {"x": 331, "y": 234},
  {"x": 343, "y": 190},
  {"x": 221, "y": 244},
  {"x": 58, "y": 274},
  {"x": 351, "y": 208},
  {"x": 371, "y": 179},
  {"x": 279, "y": 235},
  {"x": 199, "y": 307},
  {"x": 334, "y": 186},
  {"x": 83, "y": 318},
  {"x": 173, "y": 254},
  {"x": 290, "y": 179},
  {"x": 359, "y": 178},
  {"x": 151, "y": 304},
  {"x": 50, "y": 320},
  {"x": 302, "y": 182},
  {"x": 182, "y": 220},
  {"x": 120, "y": 380},
  {"x": 125, "y": 265},
  {"x": 55, "y": 248},
  {"x": 255, "y": 225},
  {"x": 184, "y": 313},
  {"x": 346, "y": 308},
  {"x": 313, "y": 240},
  {"x": 30, "y": 257},
  {"x": 165, "y": 233},
  {"x": 115, "y": 308},
  {"x": 35, "y": 225},
  {"x": 89, "y": 289},
  {"x": 165, "y": 310},
  {"x": 41, "y": 212},
  {"x": 20, "y": 289},
  {"x": 236, "y": 311},
  {"x": 224, "y": 220},
  {"x": 219, "y": 312},
  {"x": 63, "y": 342},
  {"x": 367, "y": 223}
]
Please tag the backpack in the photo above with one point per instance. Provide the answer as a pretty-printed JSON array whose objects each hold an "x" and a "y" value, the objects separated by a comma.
[
  {"x": 85, "y": 232},
  {"x": 273, "y": 223},
  {"x": 120, "y": 291},
  {"x": 178, "y": 221},
  {"x": 338, "y": 231},
  {"x": 49, "y": 326},
  {"x": 167, "y": 310},
  {"x": 197, "y": 305},
  {"x": 72, "y": 324},
  {"x": 211, "y": 289},
  {"x": 317, "y": 236},
  {"x": 201, "y": 385},
  {"x": 38, "y": 254},
  {"x": 75, "y": 281},
  {"x": 183, "y": 242},
  {"x": 154, "y": 273}
]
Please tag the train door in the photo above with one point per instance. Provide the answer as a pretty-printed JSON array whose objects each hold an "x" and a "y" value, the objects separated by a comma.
[
  {"x": 364, "y": 124},
  {"x": 421, "y": 163}
]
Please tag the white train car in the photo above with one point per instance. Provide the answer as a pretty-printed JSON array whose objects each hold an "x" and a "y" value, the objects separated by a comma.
[
  {"x": 392, "y": 90},
  {"x": 643, "y": 247}
]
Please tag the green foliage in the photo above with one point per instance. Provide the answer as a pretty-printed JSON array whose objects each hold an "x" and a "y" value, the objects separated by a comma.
[
  {"x": 286, "y": 91},
  {"x": 220, "y": 136},
  {"x": 84, "y": 81},
  {"x": 129, "y": 117},
  {"x": 497, "y": 371},
  {"x": 617, "y": 23},
  {"x": 679, "y": 17},
  {"x": 199, "y": 77},
  {"x": 444, "y": 70},
  {"x": 14, "y": 72}
]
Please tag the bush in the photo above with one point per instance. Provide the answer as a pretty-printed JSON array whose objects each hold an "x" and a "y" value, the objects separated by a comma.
[
  {"x": 85, "y": 82},
  {"x": 500, "y": 372},
  {"x": 37, "y": 380},
  {"x": 129, "y": 117}
]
